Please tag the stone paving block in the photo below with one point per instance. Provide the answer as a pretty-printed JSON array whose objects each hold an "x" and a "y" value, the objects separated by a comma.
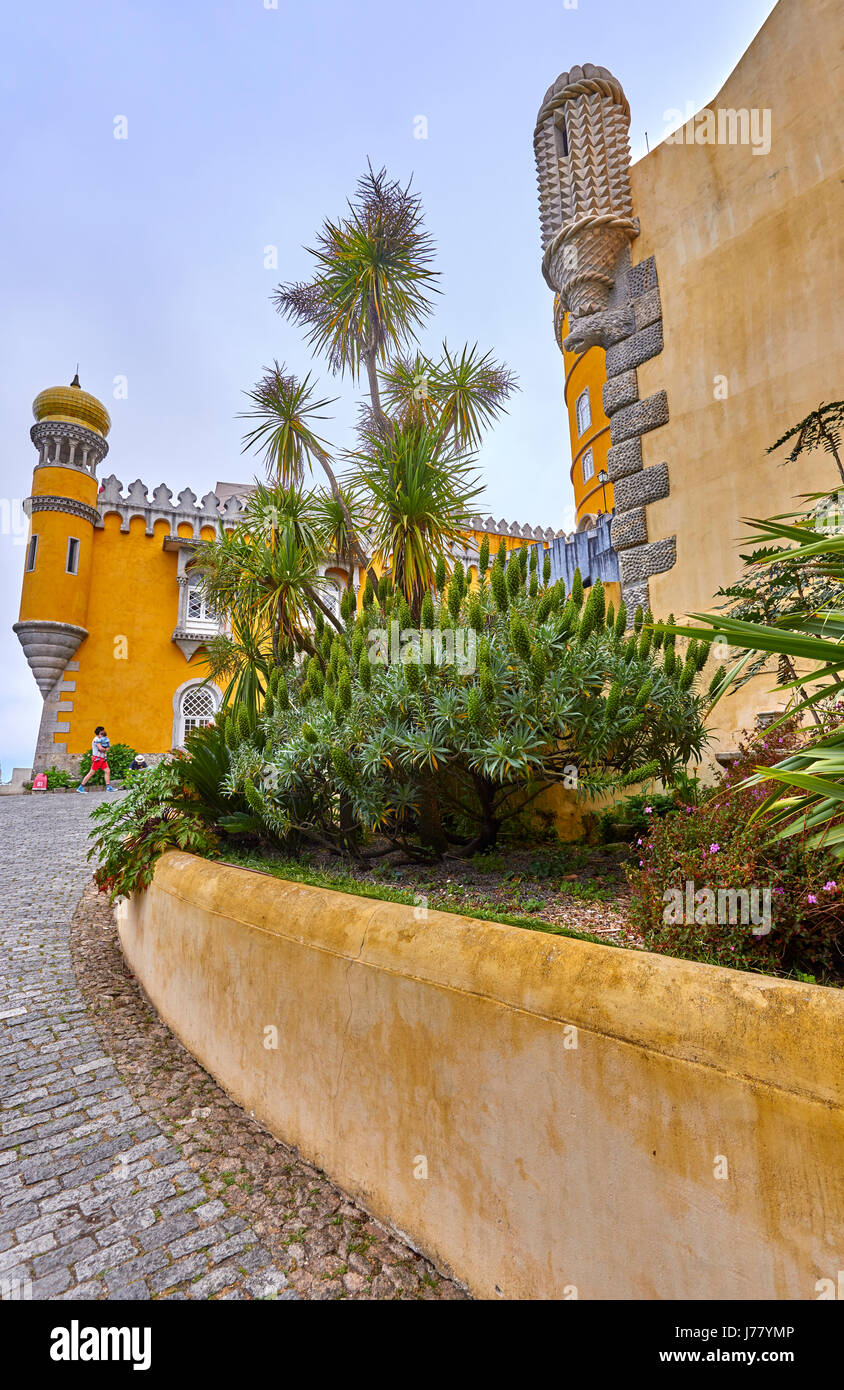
[
  {"x": 51, "y": 1284},
  {"x": 164, "y": 1232},
  {"x": 65, "y": 1256},
  {"x": 179, "y": 1272},
  {"x": 26, "y": 1250},
  {"x": 218, "y": 1279}
]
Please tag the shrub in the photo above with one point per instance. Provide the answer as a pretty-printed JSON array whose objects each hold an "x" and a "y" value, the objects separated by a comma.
[
  {"x": 435, "y": 756},
  {"x": 714, "y": 845},
  {"x": 120, "y": 756},
  {"x": 56, "y": 777},
  {"x": 133, "y": 830},
  {"x": 634, "y": 814}
]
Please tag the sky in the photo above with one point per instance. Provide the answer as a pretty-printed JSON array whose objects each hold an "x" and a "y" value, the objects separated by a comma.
[{"x": 149, "y": 259}]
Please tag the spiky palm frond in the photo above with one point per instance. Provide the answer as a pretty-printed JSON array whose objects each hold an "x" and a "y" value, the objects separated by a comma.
[
  {"x": 263, "y": 577},
  {"x": 472, "y": 391},
  {"x": 808, "y": 793},
  {"x": 334, "y": 517},
  {"x": 373, "y": 280},
  {"x": 286, "y": 410},
  {"x": 408, "y": 386},
  {"x": 419, "y": 492}
]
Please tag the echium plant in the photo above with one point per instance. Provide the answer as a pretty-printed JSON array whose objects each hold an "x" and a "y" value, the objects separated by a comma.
[{"x": 378, "y": 734}]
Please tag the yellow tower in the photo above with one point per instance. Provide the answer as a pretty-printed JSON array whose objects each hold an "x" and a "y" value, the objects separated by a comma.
[
  {"x": 589, "y": 428},
  {"x": 70, "y": 435}
]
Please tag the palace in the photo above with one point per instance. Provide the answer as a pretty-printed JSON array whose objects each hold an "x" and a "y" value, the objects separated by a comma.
[
  {"x": 112, "y": 622},
  {"x": 696, "y": 300}
]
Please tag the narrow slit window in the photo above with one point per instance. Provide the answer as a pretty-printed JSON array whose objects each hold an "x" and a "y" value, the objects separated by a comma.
[
  {"x": 72, "y": 566},
  {"x": 562, "y": 136},
  {"x": 32, "y": 551}
]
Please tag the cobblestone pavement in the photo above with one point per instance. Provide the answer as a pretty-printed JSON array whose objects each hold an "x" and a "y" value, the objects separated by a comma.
[{"x": 125, "y": 1171}]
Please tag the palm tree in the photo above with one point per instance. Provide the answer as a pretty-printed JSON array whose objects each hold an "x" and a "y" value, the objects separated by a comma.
[
  {"x": 369, "y": 296},
  {"x": 264, "y": 578},
  {"x": 419, "y": 493},
  {"x": 371, "y": 289}
]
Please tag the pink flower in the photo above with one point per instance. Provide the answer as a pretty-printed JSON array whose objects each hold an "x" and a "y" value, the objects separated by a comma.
[
  {"x": 639, "y": 841},
  {"x": 649, "y": 810},
  {"x": 813, "y": 898},
  {"x": 777, "y": 890},
  {"x": 830, "y": 886},
  {"x": 714, "y": 848}
]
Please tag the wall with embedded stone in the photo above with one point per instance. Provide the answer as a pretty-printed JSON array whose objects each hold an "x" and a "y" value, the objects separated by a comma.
[
  {"x": 717, "y": 309},
  {"x": 739, "y": 332}
]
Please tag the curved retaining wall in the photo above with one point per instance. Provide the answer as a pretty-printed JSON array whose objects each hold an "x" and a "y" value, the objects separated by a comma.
[{"x": 593, "y": 1123}]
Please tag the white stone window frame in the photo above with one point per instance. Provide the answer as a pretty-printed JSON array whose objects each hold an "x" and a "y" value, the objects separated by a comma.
[
  {"x": 338, "y": 582},
  {"x": 583, "y": 412},
  {"x": 208, "y": 625},
  {"x": 185, "y": 689},
  {"x": 199, "y": 615},
  {"x": 74, "y": 546},
  {"x": 587, "y": 473},
  {"x": 31, "y": 554}
]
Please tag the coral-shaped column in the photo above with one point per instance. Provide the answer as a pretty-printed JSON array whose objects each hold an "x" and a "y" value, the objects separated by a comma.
[{"x": 582, "y": 152}]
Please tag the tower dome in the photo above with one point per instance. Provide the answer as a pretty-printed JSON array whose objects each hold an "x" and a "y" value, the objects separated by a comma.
[{"x": 71, "y": 405}]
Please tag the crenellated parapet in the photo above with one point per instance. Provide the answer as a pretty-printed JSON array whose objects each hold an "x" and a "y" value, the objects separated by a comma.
[
  {"x": 137, "y": 502},
  {"x": 210, "y": 510},
  {"x": 510, "y": 528}
]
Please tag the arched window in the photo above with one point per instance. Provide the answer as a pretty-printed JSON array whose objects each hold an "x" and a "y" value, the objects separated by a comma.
[
  {"x": 588, "y": 466},
  {"x": 333, "y": 593},
  {"x": 583, "y": 411},
  {"x": 197, "y": 707}
]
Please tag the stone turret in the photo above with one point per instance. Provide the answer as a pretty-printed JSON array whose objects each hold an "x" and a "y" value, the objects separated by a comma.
[
  {"x": 70, "y": 435},
  {"x": 581, "y": 143}
]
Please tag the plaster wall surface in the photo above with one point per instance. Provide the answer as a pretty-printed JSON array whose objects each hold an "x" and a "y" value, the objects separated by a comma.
[
  {"x": 573, "y": 1103},
  {"x": 750, "y": 258}
]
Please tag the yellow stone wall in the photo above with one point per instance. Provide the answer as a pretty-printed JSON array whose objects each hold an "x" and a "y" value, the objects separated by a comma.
[
  {"x": 570, "y": 1101},
  {"x": 133, "y": 596},
  {"x": 750, "y": 258},
  {"x": 126, "y": 595}
]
